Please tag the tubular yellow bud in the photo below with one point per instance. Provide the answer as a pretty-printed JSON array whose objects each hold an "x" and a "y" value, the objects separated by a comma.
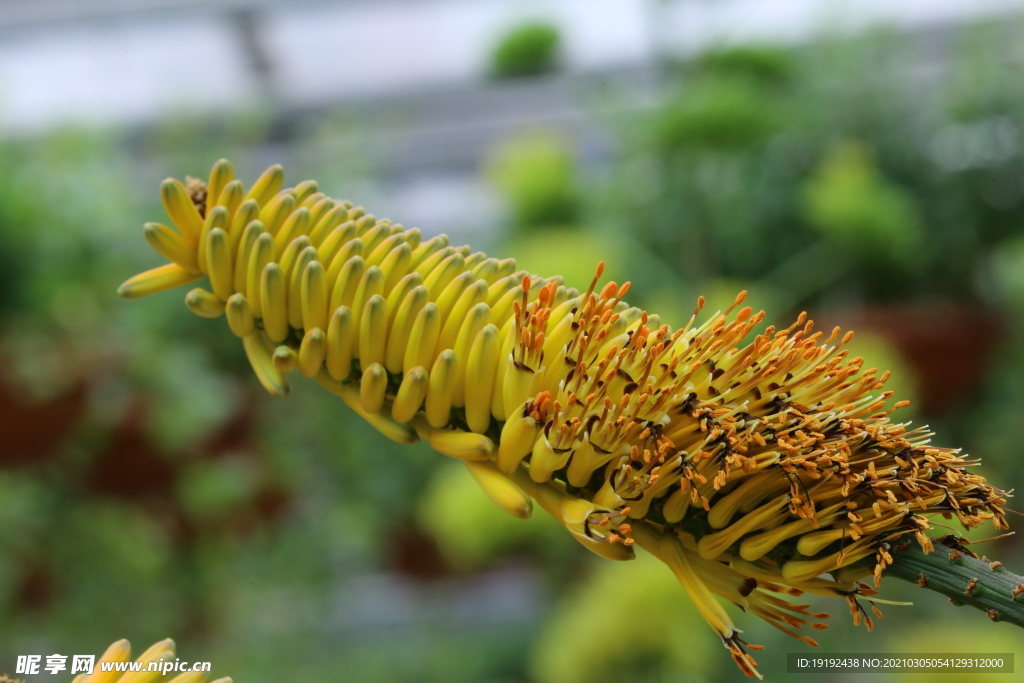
[
  {"x": 397, "y": 295},
  {"x": 721, "y": 513},
  {"x": 852, "y": 574},
  {"x": 814, "y": 542},
  {"x": 396, "y": 265},
  {"x": 545, "y": 460},
  {"x": 260, "y": 257},
  {"x": 585, "y": 460},
  {"x": 295, "y": 305},
  {"x": 713, "y": 545},
  {"x": 339, "y": 237},
  {"x": 410, "y": 395},
  {"x": 204, "y": 304},
  {"x": 472, "y": 295},
  {"x": 517, "y": 439},
  {"x": 304, "y": 190},
  {"x": 216, "y": 217},
  {"x": 267, "y": 185},
  {"x": 182, "y": 212},
  {"x": 343, "y": 292},
  {"x": 430, "y": 263},
  {"x": 413, "y": 237},
  {"x": 372, "y": 387},
  {"x": 422, "y": 338},
  {"x": 365, "y": 223},
  {"x": 340, "y": 340},
  {"x": 444, "y": 273},
  {"x": 295, "y": 225},
  {"x": 328, "y": 223},
  {"x": 319, "y": 221},
  {"x": 239, "y": 315},
  {"x": 803, "y": 570},
  {"x": 344, "y": 254},
  {"x": 373, "y": 237},
  {"x": 503, "y": 306},
  {"x": 505, "y": 493},
  {"x": 314, "y": 296},
  {"x": 758, "y": 545},
  {"x": 399, "y": 336},
  {"x": 171, "y": 245},
  {"x": 480, "y": 368},
  {"x": 291, "y": 253},
  {"x": 285, "y": 359},
  {"x": 277, "y": 211},
  {"x": 221, "y": 174},
  {"x": 230, "y": 198},
  {"x": 119, "y": 651},
  {"x": 318, "y": 201},
  {"x": 560, "y": 329},
  {"x": 449, "y": 297},
  {"x": 260, "y": 353},
  {"x": 474, "y": 259},
  {"x": 427, "y": 249},
  {"x": 158, "y": 652},
  {"x": 248, "y": 212},
  {"x": 156, "y": 280},
  {"x": 677, "y": 504},
  {"x": 371, "y": 285},
  {"x": 218, "y": 260},
  {"x": 506, "y": 267},
  {"x": 312, "y": 352},
  {"x": 500, "y": 288},
  {"x": 499, "y": 407},
  {"x": 246, "y": 243},
  {"x": 440, "y": 389},
  {"x": 478, "y": 317},
  {"x": 517, "y": 382},
  {"x": 455, "y": 443},
  {"x": 486, "y": 270},
  {"x": 274, "y": 303},
  {"x": 375, "y": 255},
  {"x": 373, "y": 331}
]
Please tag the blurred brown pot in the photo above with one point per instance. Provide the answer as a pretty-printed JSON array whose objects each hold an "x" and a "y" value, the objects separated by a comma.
[{"x": 948, "y": 344}]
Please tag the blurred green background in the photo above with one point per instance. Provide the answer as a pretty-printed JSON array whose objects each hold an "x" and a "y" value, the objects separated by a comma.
[{"x": 150, "y": 488}]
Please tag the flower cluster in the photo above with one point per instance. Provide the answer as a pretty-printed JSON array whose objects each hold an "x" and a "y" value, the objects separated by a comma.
[{"x": 753, "y": 469}]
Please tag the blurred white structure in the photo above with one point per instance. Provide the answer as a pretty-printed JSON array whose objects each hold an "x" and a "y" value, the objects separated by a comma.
[
  {"x": 416, "y": 68},
  {"x": 136, "y": 61}
]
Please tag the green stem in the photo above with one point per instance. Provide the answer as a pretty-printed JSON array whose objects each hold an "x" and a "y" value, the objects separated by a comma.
[{"x": 965, "y": 580}]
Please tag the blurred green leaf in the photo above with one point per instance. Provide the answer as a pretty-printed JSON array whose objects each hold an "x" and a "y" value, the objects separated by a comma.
[
  {"x": 470, "y": 529},
  {"x": 626, "y": 621},
  {"x": 849, "y": 201},
  {"x": 528, "y": 50},
  {"x": 534, "y": 171}
]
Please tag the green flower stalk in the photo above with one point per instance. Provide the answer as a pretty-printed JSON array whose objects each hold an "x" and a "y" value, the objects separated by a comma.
[{"x": 755, "y": 470}]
